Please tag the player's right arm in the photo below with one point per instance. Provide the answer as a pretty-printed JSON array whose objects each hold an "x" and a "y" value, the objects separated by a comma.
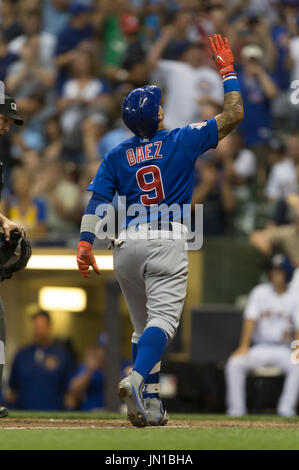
[
  {"x": 233, "y": 111},
  {"x": 103, "y": 187}
]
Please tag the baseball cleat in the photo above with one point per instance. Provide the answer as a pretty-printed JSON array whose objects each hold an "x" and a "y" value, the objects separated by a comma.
[
  {"x": 156, "y": 413},
  {"x": 130, "y": 390},
  {"x": 3, "y": 412}
]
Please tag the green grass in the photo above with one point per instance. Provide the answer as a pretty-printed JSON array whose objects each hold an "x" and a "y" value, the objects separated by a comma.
[
  {"x": 109, "y": 415},
  {"x": 212, "y": 438},
  {"x": 64, "y": 415},
  {"x": 150, "y": 439}
]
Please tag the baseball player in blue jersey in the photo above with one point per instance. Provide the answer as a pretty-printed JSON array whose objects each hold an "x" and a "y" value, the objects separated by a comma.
[{"x": 154, "y": 168}]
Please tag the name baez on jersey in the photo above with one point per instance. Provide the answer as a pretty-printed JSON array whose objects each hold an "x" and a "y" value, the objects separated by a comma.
[{"x": 155, "y": 171}]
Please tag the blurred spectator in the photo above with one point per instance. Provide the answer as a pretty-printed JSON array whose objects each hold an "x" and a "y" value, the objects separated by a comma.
[
  {"x": 31, "y": 21},
  {"x": 27, "y": 211},
  {"x": 284, "y": 239},
  {"x": 55, "y": 15},
  {"x": 77, "y": 117},
  {"x": 215, "y": 19},
  {"x": 186, "y": 81},
  {"x": 98, "y": 137},
  {"x": 251, "y": 28},
  {"x": 35, "y": 113},
  {"x": 132, "y": 67},
  {"x": 283, "y": 179},
  {"x": 276, "y": 149},
  {"x": 85, "y": 178},
  {"x": 87, "y": 387},
  {"x": 214, "y": 191},
  {"x": 271, "y": 322},
  {"x": 262, "y": 7},
  {"x": 243, "y": 171},
  {"x": 153, "y": 19},
  {"x": 244, "y": 161},
  {"x": 114, "y": 43},
  {"x": 10, "y": 26},
  {"x": 213, "y": 181},
  {"x": 257, "y": 91},
  {"x": 53, "y": 149},
  {"x": 81, "y": 96},
  {"x": 31, "y": 162},
  {"x": 182, "y": 24},
  {"x": 75, "y": 36},
  {"x": 294, "y": 53},
  {"x": 120, "y": 132},
  {"x": 6, "y": 58},
  {"x": 281, "y": 34},
  {"x": 41, "y": 371},
  {"x": 62, "y": 194},
  {"x": 93, "y": 129},
  {"x": 29, "y": 74}
]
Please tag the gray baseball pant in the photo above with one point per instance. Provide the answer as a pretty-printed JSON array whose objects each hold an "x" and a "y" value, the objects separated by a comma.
[{"x": 152, "y": 274}]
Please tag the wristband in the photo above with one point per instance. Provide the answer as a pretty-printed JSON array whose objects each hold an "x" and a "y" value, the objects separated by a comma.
[
  {"x": 87, "y": 237},
  {"x": 230, "y": 83}
]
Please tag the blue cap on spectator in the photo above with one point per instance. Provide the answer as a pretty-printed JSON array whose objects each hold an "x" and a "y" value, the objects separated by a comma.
[
  {"x": 103, "y": 340},
  {"x": 78, "y": 7},
  {"x": 280, "y": 261}
]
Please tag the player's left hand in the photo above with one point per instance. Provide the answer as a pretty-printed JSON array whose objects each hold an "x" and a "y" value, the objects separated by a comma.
[
  {"x": 223, "y": 55},
  {"x": 85, "y": 258}
]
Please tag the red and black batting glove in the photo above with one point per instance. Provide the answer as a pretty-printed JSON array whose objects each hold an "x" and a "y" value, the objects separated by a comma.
[
  {"x": 223, "y": 55},
  {"x": 85, "y": 258}
]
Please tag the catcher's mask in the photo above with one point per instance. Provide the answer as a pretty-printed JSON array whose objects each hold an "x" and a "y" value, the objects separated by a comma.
[{"x": 14, "y": 254}]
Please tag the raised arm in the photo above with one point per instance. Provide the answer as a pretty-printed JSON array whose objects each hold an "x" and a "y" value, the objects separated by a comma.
[
  {"x": 233, "y": 111},
  {"x": 156, "y": 51}
]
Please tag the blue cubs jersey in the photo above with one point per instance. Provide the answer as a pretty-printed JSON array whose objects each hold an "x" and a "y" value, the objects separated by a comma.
[{"x": 156, "y": 171}]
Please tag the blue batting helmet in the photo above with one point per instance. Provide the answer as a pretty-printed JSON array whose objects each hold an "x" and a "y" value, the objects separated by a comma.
[
  {"x": 280, "y": 261},
  {"x": 140, "y": 110}
]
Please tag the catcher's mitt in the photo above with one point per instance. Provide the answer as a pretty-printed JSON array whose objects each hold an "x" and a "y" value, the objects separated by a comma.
[{"x": 14, "y": 254}]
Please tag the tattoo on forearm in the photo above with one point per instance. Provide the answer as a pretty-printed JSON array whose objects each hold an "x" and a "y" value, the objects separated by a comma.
[{"x": 232, "y": 114}]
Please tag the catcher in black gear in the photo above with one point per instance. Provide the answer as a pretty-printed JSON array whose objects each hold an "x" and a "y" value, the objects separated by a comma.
[
  {"x": 14, "y": 253},
  {"x": 10, "y": 231}
]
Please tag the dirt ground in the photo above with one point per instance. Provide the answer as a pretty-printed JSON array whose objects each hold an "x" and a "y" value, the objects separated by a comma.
[{"x": 27, "y": 423}]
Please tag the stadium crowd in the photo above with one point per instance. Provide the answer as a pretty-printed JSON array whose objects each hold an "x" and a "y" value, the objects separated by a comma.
[{"x": 69, "y": 65}]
